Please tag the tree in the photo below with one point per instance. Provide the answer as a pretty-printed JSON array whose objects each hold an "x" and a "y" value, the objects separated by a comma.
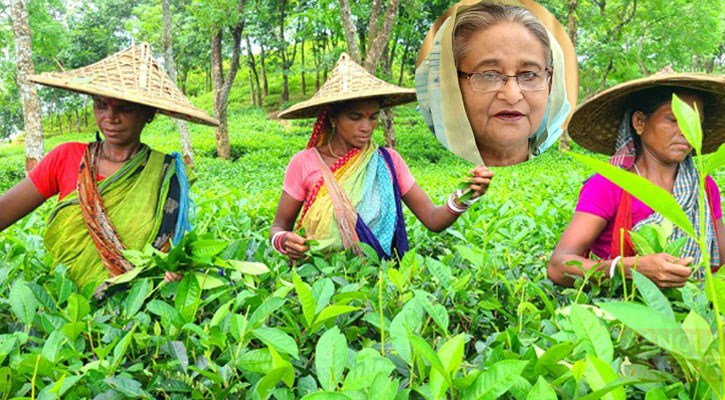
[
  {"x": 378, "y": 38},
  {"x": 31, "y": 105},
  {"x": 565, "y": 140},
  {"x": 219, "y": 17},
  {"x": 186, "y": 148}
]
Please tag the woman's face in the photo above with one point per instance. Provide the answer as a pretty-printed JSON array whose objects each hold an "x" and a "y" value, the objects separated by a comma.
[
  {"x": 356, "y": 122},
  {"x": 660, "y": 135},
  {"x": 504, "y": 119},
  {"x": 120, "y": 121}
]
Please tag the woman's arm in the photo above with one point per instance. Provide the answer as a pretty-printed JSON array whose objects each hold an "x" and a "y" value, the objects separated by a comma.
[
  {"x": 284, "y": 219},
  {"x": 18, "y": 202},
  {"x": 584, "y": 228},
  {"x": 439, "y": 218}
]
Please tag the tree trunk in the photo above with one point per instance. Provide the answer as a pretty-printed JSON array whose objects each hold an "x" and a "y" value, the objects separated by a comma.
[
  {"x": 78, "y": 121},
  {"x": 386, "y": 115},
  {"x": 223, "y": 86},
  {"x": 565, "y": 139},
  {"x": 253, "y": 68},
  {"x": 51, "y": 124},
  {"x": 378, "y": 43},
  {"x": 283, "y": 53},
  {"x": 302, "y": 68},
  {"x": 263, "y": 70},
  {"x": 186, "y": 149},
  {"x": 252, "y": 99},
  {"x": 31, "y": 106},
  {"x": 402, "y": 63},
  {"x": 184, "y": 76},
  {"x": 350, "y": 31},
  {"x": 85, "y": 116},
  {"x": 70, "y": 123}
]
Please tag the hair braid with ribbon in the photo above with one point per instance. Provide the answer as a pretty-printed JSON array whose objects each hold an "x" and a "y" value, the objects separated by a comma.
[{"x": 318, "y": 132}]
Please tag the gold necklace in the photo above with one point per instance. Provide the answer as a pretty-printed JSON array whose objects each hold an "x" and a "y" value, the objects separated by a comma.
[{"x": 329, "y": 147}]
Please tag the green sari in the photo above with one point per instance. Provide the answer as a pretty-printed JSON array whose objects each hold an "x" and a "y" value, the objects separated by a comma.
[{"x": 136, "y": 199}]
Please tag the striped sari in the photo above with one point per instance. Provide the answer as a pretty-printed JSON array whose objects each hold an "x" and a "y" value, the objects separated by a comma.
[
  {"x": 138, "y": 205},
  {"x": 368, "y": 179}
]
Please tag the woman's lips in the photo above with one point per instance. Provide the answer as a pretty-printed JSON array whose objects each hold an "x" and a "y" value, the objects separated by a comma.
[{"x": 508, "y": 116}]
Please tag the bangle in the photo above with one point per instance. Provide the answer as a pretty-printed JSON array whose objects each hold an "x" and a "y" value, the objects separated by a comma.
[
  {"x": 452, "y": 207},
  {"x": 613, "y": 266},
  {"x": 277, "y": 241}
]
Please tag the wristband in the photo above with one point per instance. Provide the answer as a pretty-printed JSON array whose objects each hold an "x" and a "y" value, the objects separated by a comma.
[
  {"x": 277, "y": 240},
  {"x": 613, "y": 266}
]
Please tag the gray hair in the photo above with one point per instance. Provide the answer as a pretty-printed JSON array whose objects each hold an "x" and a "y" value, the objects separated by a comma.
[{"x": 485, "y": 15}]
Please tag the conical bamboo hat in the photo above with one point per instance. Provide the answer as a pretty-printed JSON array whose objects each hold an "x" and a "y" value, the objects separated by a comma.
[
  {"x": 595, "y": 123},
  {"x": 131, "y": 75},
  {"x": 350, "y": 81}
]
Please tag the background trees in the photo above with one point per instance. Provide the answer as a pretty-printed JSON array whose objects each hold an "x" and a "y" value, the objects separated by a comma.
[{"x": 283, "y": 50}]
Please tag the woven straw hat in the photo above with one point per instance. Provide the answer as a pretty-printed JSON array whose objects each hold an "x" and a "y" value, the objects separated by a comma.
[
  {"x": 130, "y": 75},
  {"x": 595, "y": 122},
  {"x": 349, "y": 81}
]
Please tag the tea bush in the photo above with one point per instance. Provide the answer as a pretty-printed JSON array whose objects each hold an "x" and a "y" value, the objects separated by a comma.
[{"x": 467, "y": 314}]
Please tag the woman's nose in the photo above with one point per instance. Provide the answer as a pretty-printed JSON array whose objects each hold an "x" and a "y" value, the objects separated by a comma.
[{"x": 510, "y": 92}]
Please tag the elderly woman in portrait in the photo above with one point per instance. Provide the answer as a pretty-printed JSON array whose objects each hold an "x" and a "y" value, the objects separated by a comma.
[
  {"x": 114, "y": 193},
  {"x": 344, "y": 189},
  {"x": 492, "y": 85},
  {"x": 634, "y": 121}
]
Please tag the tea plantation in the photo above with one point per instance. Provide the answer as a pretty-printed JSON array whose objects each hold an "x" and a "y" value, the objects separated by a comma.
[{"x": 467, "y": 314}]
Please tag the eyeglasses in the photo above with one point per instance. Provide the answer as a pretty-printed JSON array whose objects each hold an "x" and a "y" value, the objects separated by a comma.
[{"x": 493, "y": 81}]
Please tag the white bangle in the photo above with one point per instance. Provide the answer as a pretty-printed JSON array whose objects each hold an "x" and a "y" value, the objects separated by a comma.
[
  {"x": 273, "y": 242},
  {"x": 613, "y": 266},
  {"x": 451, "y": 204}
]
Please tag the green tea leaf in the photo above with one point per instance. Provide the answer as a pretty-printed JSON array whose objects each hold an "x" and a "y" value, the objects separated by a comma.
[
  {"x": 674, "y": 247},
  {"x": 165, "y": 310},
  {"x": 542, "y": 390},
  {"x": 494, "y": 381},
  {"x": 187, "y": 297},
  {"x": 652, "y": 295},
  {"x": 249, "y": 267},
  {"x": 330, "y": 358},
  {"x": 269, "y": 381},
  {"x": 549, "y": 361},
  {"x": 122, "y": 347},
  {"x": 688, "y": 119},
  {"x": 715, "y": 161},
  {"x": 306, "y": 299},
  {"x": 423, "y": 348},
  {"x": 331, "y": 311},
  {"x": 136, "y": 297},
  {"x": 599, "y": 374},
  {"x": 451, "y": 356},
  {"x": 698, "y": 332},
  {"x": 23, "y": 302},
  {"x": 177, "y": 351},
  {"x": 589, "y": 328},
  {"x": 277, "y": 339},
  {"x": 653, "y": 326},
  {"x": 655, "y": 197}
]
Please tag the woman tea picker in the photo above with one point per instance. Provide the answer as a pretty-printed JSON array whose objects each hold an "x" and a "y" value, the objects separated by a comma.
[
  {"x": 116, "y": 193},
  {"x": 346, "y": 189},
  {"x": 634, "y": 122},
  {"x": 495, "y": 81}
]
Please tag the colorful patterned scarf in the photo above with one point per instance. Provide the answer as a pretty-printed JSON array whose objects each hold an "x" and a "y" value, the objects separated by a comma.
[
  {"x": 686, "y": 192},
  {"x": 367, "y": 178}
]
